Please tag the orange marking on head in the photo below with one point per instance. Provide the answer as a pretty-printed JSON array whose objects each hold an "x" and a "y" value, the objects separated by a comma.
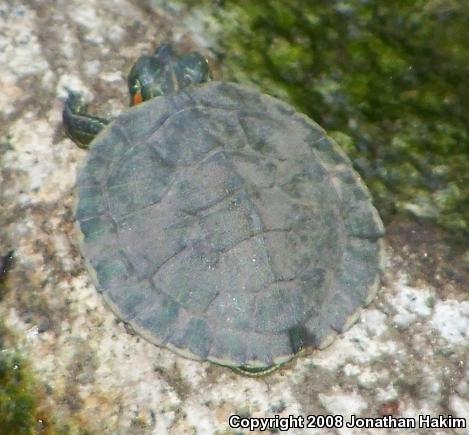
[{"x": 137, "y": 99}]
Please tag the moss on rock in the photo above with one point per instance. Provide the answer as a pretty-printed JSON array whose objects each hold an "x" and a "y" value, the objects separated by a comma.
[
  {"x": 387, "y": 79},
  {"x": 17, "y": 402}
]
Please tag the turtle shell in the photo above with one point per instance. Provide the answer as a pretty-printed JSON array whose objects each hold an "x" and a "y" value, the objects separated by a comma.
[{"x": 224, "y": 225}]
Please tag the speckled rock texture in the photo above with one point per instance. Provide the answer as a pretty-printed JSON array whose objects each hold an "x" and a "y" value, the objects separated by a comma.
[{"x": 407, "y": 355}]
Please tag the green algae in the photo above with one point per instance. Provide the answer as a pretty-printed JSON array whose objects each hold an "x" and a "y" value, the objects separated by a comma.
[
  {"x": 388, "y": 80},
  {"x": 17, "y": 401},
  {"x": 23, "y": 409},
  {"x": 17, "y": 396}
]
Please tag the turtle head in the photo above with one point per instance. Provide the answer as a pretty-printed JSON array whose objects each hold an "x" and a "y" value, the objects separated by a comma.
[{"x": 165, "y": 73}]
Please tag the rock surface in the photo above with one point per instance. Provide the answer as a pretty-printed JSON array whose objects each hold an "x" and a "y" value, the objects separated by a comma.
[{"x": 408, "y": 354}]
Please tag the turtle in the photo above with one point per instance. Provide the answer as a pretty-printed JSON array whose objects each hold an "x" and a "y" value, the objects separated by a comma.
[{"x": 219, "y": 222}]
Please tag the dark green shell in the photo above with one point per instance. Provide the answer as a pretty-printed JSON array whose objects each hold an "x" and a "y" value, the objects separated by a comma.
[{"x": 224, "y": 225}]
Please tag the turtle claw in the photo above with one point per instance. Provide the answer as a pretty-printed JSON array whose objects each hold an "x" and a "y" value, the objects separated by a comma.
[
  {"x": 75, "y": 101},
  {"x": 79, "y": 125}
]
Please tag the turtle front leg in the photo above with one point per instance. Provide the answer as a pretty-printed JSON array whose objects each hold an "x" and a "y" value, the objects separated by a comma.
[{"x": 79, "y": 125}]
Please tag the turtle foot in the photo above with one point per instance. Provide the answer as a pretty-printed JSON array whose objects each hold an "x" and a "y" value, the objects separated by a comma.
[{"x": 79, "y": 125}]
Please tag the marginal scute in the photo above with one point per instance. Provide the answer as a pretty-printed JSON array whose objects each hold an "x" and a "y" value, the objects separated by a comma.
[
  {"x": 363, "y": 221},
  {"x": 339, "y": 307},
  {"x": 329, "y": 153},
  {"x": 299, "y": 338},
  {"x": 360, "y": 267},
  {"x": 101, "y": 160},
  {"x": 95, "y": 170},
  {"x": 224, "y": 225},
  {"x": 130, "y": 297},
  {"x": 92, "y": 204},
  {"x": 95, "y": 226},
  {"x": 197, "y": 337},
  {"x": 111, "y": 270},
  {"x": 318, "y": 329},
  {"x": 229, "y": 347},
  {"x": 160, "y": 319}
]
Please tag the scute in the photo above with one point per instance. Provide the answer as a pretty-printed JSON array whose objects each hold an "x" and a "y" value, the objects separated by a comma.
[{"x": 224, "y": 225}]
